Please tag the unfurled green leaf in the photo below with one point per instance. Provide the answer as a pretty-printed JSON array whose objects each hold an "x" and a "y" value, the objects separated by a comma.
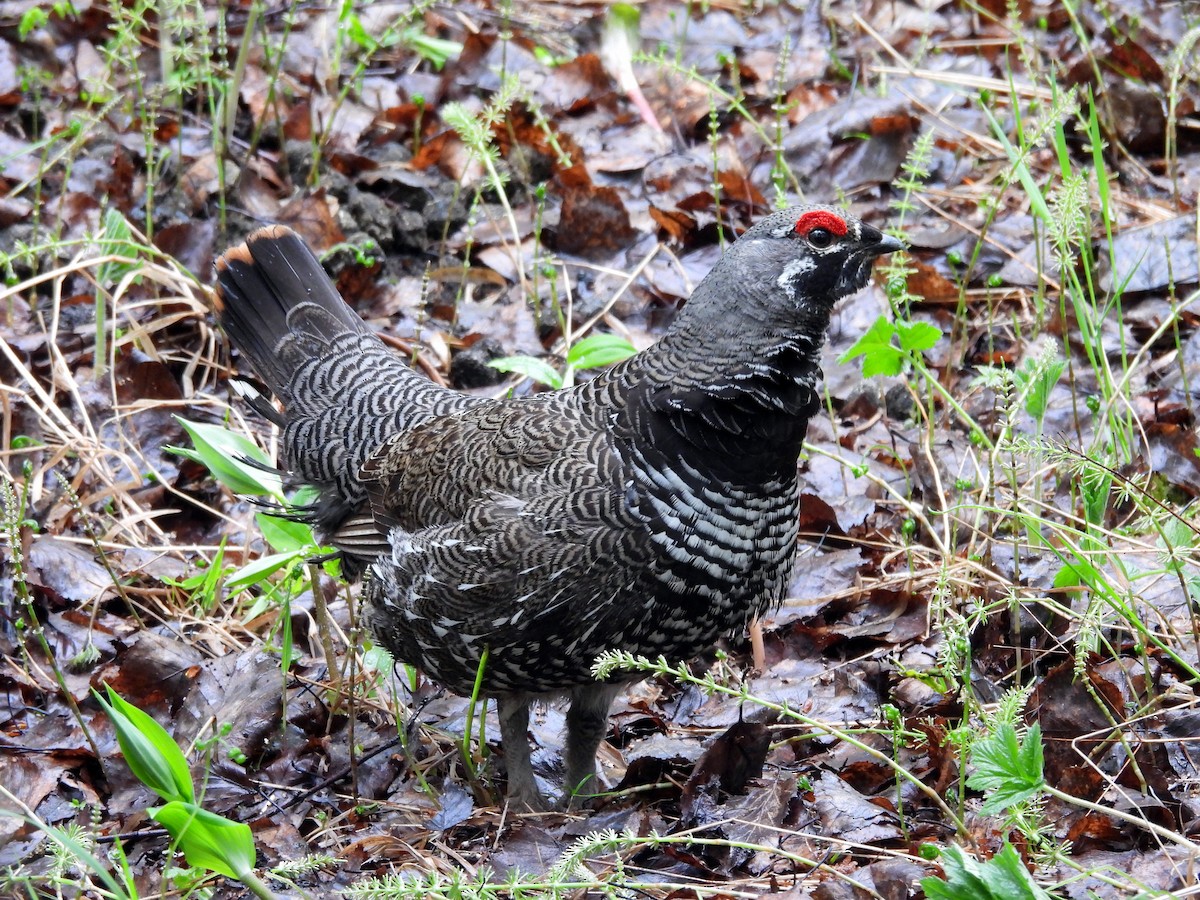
[
  {"x": 916, "y": 337},
  {"x": 1079, "y": 573},
  {"x": 254, "y": 572},
  {"x": 1010, "y": 770},
  {"x": 31, "y": 19},
  {"x": 883, "y": 357},
  {"x": 225, "y": 454},
  {"x": 437, "y": 51},
  {"x": 285, "y": 535},
  {"x": 209, "y": 841},
  {"x": 875, "y": 347},
  {"x": 1003, "y": 877},
  {"x": 531, "y": 367},
  {"x": 597, "y": 350}
]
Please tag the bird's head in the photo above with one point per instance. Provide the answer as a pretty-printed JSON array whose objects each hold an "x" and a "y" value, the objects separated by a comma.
[
  {"x": 817, "y": 253},
  {"x": 789, "y": 269}
]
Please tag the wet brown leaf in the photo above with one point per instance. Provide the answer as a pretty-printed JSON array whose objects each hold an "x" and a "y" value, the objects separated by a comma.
[
  {"x": 844, "y": 642},
  {"x": 734, "y": 758},
  {"x": 593, "y": 222}
]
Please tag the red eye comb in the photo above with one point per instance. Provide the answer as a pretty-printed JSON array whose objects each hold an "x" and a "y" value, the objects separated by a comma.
[{"x": 820, "y": 218}]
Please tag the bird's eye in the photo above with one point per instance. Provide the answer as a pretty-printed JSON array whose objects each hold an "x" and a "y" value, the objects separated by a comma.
[{"x": 820, "y": 238}]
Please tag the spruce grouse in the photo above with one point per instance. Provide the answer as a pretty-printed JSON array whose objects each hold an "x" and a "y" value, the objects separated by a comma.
[{"x": 651, "y": 509}]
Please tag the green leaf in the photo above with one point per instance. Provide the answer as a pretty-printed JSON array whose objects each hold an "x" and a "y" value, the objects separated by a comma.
[
  {"x": 618, "y": 41},
  {"x": 356, "y": 32},
  {"x": 306, "y": 496},
  {"x": 432, "y": 49},
  {"x": 1096, "y": 488},
  {"x": 881, "y": 356},
  {"x": 151, "y": 754},
  {"x": 1079, "y": 573},
  {"x": 598, "y": 350},
  {"x": 545, "y": 57},
  {"x": 1003, "y": 877},
  {"x": 964, "y": 878},
  {"x": 1037, "y": 378},
  {"x": 875, "y": 347},
  {"x": 880, "y": 333},
  {"x": 285, "y": 535},
  {"x": 209, "y": 841},
  {"x": 254, "y": 572},
  {"x": 1036, "y": 198},
  {"x": 31, "y": 20},
  {"x": 287, "y": 644},
  {"x": 115, "y": 240},
  {"x": 626, "y": 14},
  {"x": 1010, "y": 770},
  {"x": 917, "y": 336},
  {"x": 531, "y": 367},
  {"x": 223, "y": 452}
]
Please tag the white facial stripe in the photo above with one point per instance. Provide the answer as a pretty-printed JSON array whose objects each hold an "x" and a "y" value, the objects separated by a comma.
[{"x": 792, "y": 271}]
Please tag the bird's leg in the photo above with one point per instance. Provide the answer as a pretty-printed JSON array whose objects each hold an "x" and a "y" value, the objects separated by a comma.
[
  {"x": 514, "y": 735},
  {"x": 587, "y": 723}
]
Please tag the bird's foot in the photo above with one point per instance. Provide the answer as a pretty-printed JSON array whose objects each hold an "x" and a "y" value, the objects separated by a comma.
[{"x": 524, "y": 796}]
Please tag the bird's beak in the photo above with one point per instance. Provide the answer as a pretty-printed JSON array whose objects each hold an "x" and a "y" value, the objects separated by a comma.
[{"x": 889, "y": 244}]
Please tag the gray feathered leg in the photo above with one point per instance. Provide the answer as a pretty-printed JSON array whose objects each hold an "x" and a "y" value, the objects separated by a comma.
[
  {"x": 587, "y": 723},
  {"x": 523, "y": 793}
]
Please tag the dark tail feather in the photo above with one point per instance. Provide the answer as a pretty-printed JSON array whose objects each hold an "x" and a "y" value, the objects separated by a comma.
[
  {"x": 273, "y": 298},
  {"x": 256, "y": 395}
]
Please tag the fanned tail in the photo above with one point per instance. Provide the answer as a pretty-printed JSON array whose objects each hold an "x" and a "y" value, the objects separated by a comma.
[
  {"x": 278, "y": 306},
  {"x": 344, "y": 392}
]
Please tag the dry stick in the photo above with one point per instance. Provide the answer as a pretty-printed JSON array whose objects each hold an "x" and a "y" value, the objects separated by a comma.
[
  {"x": 995, "y": 245},
  {"x": 957, "y": 79},
  {"x": 630, "y": 278},
  {"x": 324, "y": 626},
  {"x": 757, "y": 649},
  {"x": 975, "y": 82},
  {"x": 49, "y": 410},
  {"x": 350, "y": 678},
  {"x": 1167, "y": 835}
]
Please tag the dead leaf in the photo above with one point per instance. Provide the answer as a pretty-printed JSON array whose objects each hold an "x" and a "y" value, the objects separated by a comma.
[
  {"x": 1151, "y": 257},
  {"x": 314, "y": 219},
  {"x": 69, "y": 570},
  {"x": 845, "y": 812},
  {"x": 593, "y": 222}
]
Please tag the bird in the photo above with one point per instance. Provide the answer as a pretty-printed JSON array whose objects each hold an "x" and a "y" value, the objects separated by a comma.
[{"x": 507, "y": 543}]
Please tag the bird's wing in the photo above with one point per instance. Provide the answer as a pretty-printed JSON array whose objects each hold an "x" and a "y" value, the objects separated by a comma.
[
  {"x": 540, "y": 480},
  {"x": 508, "y": 528}
]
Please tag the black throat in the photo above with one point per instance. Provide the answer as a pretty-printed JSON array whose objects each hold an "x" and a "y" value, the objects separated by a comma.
[{"x": 743, "y": 424}]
